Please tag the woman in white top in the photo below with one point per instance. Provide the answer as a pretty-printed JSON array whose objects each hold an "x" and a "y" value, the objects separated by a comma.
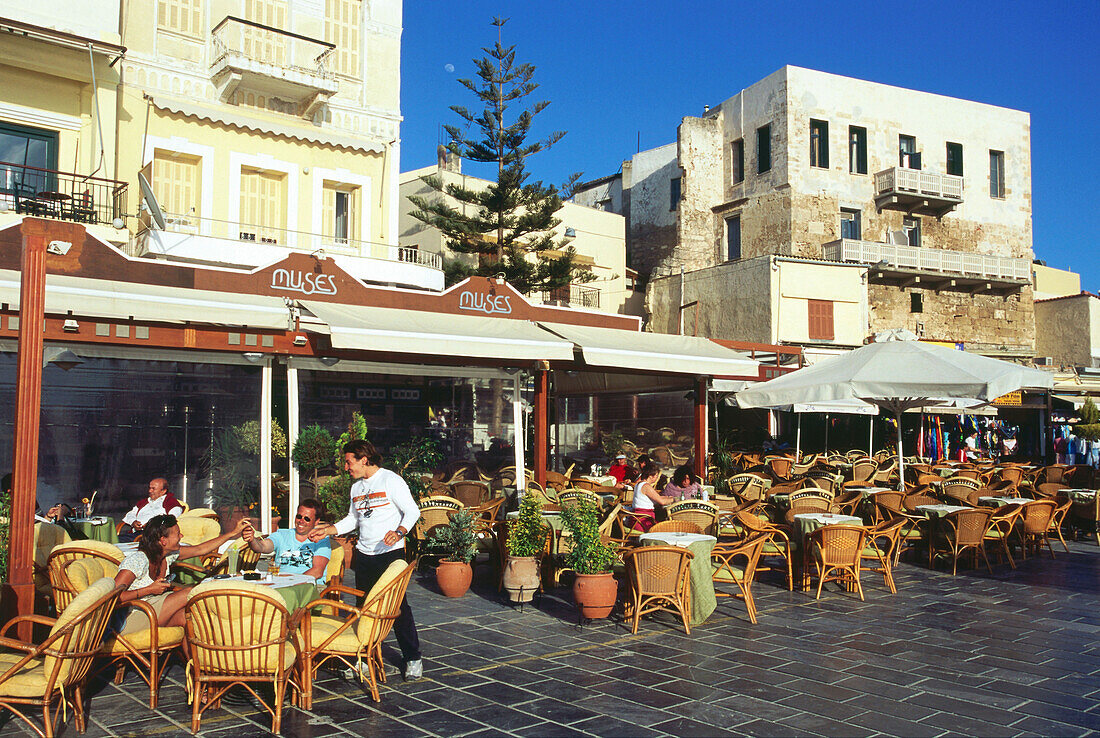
[
  {"x": 646, "y": 496},
  {"x": 144, "y": 573}
]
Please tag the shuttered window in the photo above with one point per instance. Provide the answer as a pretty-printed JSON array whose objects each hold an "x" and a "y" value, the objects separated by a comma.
[
  {"x": 263, "y": 205},
  {"x": 821, "y": 320},
  {"x": 181, "y": 16},
  {"x": 342, "y": 29},
  {"x": 176, "y": 179},
  {"x": 262, "y": 45},
  {"x": 339, "y": 208}
]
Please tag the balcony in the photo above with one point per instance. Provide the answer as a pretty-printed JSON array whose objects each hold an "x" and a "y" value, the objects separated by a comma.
[
  {"x": 932, "y": 268},
  {"x": 270, "y": 62},
  {"x": 575, "y": 295},
  {"x": 915, "y": 191},
  {"x": 48, "y": 193},
  {"x": 226, "y": 243}
]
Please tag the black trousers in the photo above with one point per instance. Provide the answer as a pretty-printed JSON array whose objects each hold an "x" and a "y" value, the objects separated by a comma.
[{"x": 368, "y": 569}]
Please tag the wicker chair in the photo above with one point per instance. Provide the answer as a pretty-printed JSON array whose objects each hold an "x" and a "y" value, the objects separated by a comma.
[
  {"x": 961, "y": 489},
  {"x": 488, "y": 511},
  {"x": 55, "y": 671},
  {"x": 434, "y": 511},
  {"x": 579, "y": 495},
  {"x": 883, "y": 541},
  {"x": 703, "y": 514},
  {"x": 806, "y": 502},
  {"x": 334, "y": 630},
  {"x": 239, "y": 634},
  {"x": 47, "y": 536},
  {"x": 146, "y": 651},
  {"x": 470, "y": 494},
  {"x": 1034, "y": 526},
  {"x": 837, "y": 551},
  {"x": 557, "y": 480},
  {"x": 675, "y": 526},
  {"x": 1054, "y": 474},
  {"x": 658, "y": 577},
  {"x": 779, "y": 466},
  {"x": 959, "y": 532},
  {"x": 886, "y": 469},
  {"x": 724, "y": 570},
  {"x": 585, "y": 484},
  {"x": 749, "y": 486},
  {"x": 1058, "y": 519},
  {"x": 1013, "y": 475},
  {"x": 779, "y": 544},
  {"x": 863, "y": 469},
  {"x": 1087, "y": 513},
  {"x": 65, "y": 554},
  {"x": 913, "y": 501},
  {"x": 1002, "y": 522}
]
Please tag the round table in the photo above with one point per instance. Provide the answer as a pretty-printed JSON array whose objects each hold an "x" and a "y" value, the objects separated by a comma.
[
  {"x": 703, "y": 601},
  {"x": 806, "y": 524},
  {"x": 939, "y": 511},
  {"x": 297, "y": 590},
  {"x": 96, "y": 528},
  {"x": 1002, "y": 501}
]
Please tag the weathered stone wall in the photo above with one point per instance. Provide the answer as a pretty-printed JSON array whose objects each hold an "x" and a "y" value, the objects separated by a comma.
[
  {"x": 1064, "y": 329},
  {"x": 735, "y": 302},
  {"x": 956, "y": 316},
  {"x": 651, "y": 222},
  {"x": 699, "y": 149}
]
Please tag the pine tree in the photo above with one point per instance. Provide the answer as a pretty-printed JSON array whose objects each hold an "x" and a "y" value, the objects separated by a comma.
[{"x": 512, "y": 219}]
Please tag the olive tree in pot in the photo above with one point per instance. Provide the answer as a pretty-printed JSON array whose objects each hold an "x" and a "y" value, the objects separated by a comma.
[
  {"x": 526, "y": 538},
  {"x": 591, "y": 559},
  {"x": 456, "y": 544}
]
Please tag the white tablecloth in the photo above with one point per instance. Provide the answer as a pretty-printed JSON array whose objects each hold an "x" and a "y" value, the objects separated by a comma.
[
  {"x": 683, "y": 540},
  {"x": 830, "y": 518},
  {"x": 941, "y": 510},
  {"x": 275, "y": 580},
  {"x": 1005, "y": 500}
]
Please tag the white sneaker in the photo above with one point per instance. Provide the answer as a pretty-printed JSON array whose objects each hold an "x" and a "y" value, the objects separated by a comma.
[
  {"x": 360, "y": 670},
  {"x": 414, "y": 670}
]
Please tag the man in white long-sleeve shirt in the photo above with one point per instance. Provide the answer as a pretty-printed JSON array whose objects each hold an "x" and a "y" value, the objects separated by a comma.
[{"x": 383, "y": 511}]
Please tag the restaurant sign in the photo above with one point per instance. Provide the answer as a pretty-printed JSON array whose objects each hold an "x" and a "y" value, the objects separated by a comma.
[
  {"x": 308, "y": 283},
  {"x": 480, "y": 302},
  {"x": 1012, "y": 399}
]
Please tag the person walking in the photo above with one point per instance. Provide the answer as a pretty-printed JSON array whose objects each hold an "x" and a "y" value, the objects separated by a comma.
[{"x": 383, "y": 511}]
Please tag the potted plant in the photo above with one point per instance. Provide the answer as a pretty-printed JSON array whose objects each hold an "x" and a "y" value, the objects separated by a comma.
[
  {"x": 526, "y": 538},
  {"x": 313, "y": 450},
  {"x": 456, "y": 543},
  {"x": 591, "y": 559}
]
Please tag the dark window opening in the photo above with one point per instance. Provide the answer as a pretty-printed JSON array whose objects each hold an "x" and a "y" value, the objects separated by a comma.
[
  {"x": 819, "y": 143},
  {"x": 955, "y": 159},
  {"x": 733, "y": 238},
  {"x": 737, "y": 160},
  {"x": 763, "y": 149},
  {"x": 850, "y": 226},
  {"x": 907, "y": 152},
  {"x": 674, "y": 193},
  {"x": 996, "y": 174},
  {"x": 857, "y": 150},
  {"x": 916, "y": 302}
]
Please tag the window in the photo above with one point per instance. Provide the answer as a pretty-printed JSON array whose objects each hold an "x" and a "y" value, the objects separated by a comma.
[
  {"x": 916, "y": 302},
  {"x": 907, "y": 152},
  {"x": 737, "y": 160},
  {"x": 850, "y": 224},
  {"x": 181, "y": 16},
  {"x": 342, "y": 29},
  {"x": 263, "y": 205},
  {"x": 674, "y": 193},
  {"x": 260, "y": 44},
  {"x": 763, "y": 149},
  {"x": 176, "y": 184},
  {"x": 955, "y": 159},
  {"x": 996, "y": 174},
  {"x": 911, "y": 226},
  {"x": 821, "y": 320},
  {"x": 819, "y": 143},
  {"x": 733, "y": 238},
  {"x": 339, "y": 212},
  {"x": 30, "y": 147},
  {"x": 857, "y": 150}
]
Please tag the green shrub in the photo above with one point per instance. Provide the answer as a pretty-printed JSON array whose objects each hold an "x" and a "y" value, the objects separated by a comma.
[
  {"x": 527, "y": 533},
  {"x": 313, "y": 449},
  {"x": 1089, "y": 428},
  {"x": 455, "y": 541},
  {"x": 590, "y": 554}
]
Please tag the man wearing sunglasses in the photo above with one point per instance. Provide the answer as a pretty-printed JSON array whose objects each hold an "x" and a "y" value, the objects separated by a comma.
[{"x": 294, "y": 551}]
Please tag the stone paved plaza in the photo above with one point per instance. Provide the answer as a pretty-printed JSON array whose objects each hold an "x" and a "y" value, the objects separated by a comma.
[{"x": 1015, "y": 653}]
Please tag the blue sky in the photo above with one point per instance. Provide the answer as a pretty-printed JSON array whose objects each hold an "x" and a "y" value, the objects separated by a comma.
[{"x": 616, "y": 72}]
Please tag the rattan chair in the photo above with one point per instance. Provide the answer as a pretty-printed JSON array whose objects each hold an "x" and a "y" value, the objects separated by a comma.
[
  {"x": 1034, "y": 526},
  {"x": 55, "y": 671},
  {"x": 806, "y": 503},
  {"x": 703, "y": 514},
  {"x": 724, "y": 569},
  {"x": 863, "y": 469},
  {"x": 881, "y": 546},
  {"x": 470, "y": 494},
  {"x": 557, "y": 480},
  {"x": 584, "y": 484},
  {"x": 962, "y": 489},
  {"x": 1002, "y": 522},
  {"x": 749, "y": 486},
  {"x": 779, "y": 466},
  {"x": 238, "y": 634},
  {"x": 65, "y": 554},
  {"x": 576, "y": 495},
  {"x": 779, "y": 544},
  {"x": 47, "y": 536},
  {"x": 334, "y": 630},
  {"x": 836, "y": 551},
  {"x": 434, "y": 511},
  {"x": 658, "y": 579},
  {"x": 1087, "y": 514},
  {"x": 1058, "y": 519},
  {"x": 675, "y": 526},
  {"x": 201, "y": 512},
  {"x": 959, "y": 532}
]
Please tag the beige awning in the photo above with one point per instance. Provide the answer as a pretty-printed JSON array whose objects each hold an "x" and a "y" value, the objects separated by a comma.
[
  {"x": 437, "y": 334},
  {"x": 101, "y": 298},
  {"x": 614, "y": 348}
]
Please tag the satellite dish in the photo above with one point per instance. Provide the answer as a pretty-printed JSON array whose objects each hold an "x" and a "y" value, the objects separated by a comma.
[{"x": 150, "y": 201}]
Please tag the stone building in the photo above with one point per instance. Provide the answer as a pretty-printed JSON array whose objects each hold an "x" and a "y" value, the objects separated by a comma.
[
  {"x": 930, "y": 194},
  {"x": 1067, "y": 330}
]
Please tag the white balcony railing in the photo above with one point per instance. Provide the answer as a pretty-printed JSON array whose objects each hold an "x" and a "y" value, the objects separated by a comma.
[
  {"x": 260, "y": 44},
  {"x": 914, "y": 258},
  {"x": 899, "y": 180}
]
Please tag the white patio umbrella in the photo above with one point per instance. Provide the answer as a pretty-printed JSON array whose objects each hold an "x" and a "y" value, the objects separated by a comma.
[
  {"x": 896, "y": 376},
  {"x": 844, "y": 407}
]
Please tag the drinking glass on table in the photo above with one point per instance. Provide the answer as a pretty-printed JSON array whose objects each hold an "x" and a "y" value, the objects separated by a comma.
[{"x": 273, "y": 567}]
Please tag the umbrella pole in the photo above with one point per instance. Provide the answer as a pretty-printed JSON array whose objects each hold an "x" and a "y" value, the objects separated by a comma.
[
  {"x": 826, "y": 434},
  {"x": 798, "y": 439},
  {"x": 901, "y": 456},
  {"x": 870, "y": 435}
]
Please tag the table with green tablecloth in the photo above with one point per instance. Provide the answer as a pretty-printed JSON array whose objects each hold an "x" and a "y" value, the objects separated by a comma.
[
  {"x": 96, "y": 528},
  {"x": 1002, "y": 501},
  {"x": 1085, "y": 496},
  {"x": 805, "y": 524},
  {"x": 703, "y": 600}
]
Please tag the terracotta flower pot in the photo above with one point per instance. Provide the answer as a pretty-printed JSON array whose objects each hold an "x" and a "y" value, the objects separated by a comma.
[
  {"x": 595, "y": 594},
  {"x": 454, "y": 577},
  {"x": 521, "y": 577}
]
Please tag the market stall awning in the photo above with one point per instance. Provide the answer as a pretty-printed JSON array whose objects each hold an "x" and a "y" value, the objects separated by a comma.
[
  {"x": 436, "y": 334},
  {"x": 611, "y": 348},
  {"x": 100, "y": 298}
]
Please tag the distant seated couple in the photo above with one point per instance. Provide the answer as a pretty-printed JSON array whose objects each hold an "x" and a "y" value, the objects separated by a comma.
[{"x": 683, "y": 486}]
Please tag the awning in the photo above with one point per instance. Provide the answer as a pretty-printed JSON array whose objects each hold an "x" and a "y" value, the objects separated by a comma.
[
  {"x": 436, "y": 334},
  {"x": 612, "y": 348},
  {"x": 99, "y": 298},
  {"x": 1072, "y": 401}
]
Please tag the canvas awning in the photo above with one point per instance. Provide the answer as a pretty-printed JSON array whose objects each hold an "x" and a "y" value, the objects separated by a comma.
[
  {"x": 436, "y": 334},
  {"x": 612, "y": 348},
  {"x": 99, "y": 298}
]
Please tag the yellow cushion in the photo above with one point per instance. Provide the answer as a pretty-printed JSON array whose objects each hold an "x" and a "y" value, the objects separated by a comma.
[
  {"x": 166, "y": 638},
  {"x": 80, "y": 605},
  {"x": 323, "y": 626},
  {"x": 82, "y": 572},
  {"x": 199, "y": 512},
  {"x": 29, "y": 682},
  {"x": 367, "y": 625},
  {"x": 46, "y": 536},
  {"x": 335, "y": 559},
  {"x": 237, "y": 622},
  {"x": 100, "y": 547},
  {"x": 194, "y": 531}
]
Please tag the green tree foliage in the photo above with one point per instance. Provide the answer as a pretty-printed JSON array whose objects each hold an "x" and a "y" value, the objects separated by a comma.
[
  {"x": 590, "y": 554},
  {"x": 455, "y": 541},
  {"x": 507, "y": 225},
  {"x": 527, "y": 532},
  {"x": 335, "y": 492},
  {"x": 1090, "y": 421},
  {"x": 313, "y": 449},
  {"x": 415, "y": 460}
]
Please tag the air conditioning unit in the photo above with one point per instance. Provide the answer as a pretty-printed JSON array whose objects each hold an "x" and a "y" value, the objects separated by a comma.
[{"x": 1044, "y": 360}]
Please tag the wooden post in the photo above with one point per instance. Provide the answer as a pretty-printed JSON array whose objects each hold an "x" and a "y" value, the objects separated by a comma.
[
  {"x": 701, "y": 440},
  {"x": 28, "y": 409},
  {"x": 542, "y": 425}
]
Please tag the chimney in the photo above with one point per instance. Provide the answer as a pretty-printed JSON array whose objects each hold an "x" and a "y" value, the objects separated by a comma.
[{"x": 448, "y": 160}]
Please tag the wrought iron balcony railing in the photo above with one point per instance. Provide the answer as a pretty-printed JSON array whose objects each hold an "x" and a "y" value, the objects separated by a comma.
[
  {"x": 49, "y": 193},
  {"x": 575, "y": 295}
]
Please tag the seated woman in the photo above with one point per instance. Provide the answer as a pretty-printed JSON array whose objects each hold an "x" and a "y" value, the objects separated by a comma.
[
  {"x": 646, "y": 497},
  {"x": 144, "y": 573},
  {"x": 683, "y": 485}
]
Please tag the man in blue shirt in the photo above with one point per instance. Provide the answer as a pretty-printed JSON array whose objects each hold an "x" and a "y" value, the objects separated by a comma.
[{"x": 293, "y": 550}]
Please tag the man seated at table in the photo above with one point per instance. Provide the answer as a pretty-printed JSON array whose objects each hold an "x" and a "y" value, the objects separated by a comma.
[
  {"x": 618, "y": 468},
  {"x": 294, "y": 552},
  {"x": 159, "y": 502}
]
